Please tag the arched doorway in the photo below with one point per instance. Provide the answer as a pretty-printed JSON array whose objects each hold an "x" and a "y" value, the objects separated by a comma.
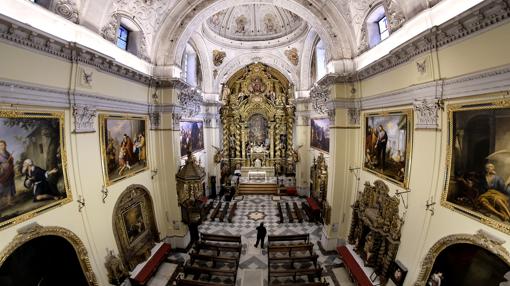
[
  {"x": 46, "y": 256},
  {"x": 467, "y": 260}
]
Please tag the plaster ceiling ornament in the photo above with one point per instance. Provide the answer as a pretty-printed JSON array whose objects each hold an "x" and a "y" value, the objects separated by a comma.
[
  {"x": 293, "y": 56},
  {"x": 395, "y": 15},
  {"x": 109, "y": 31},
  {"x": 218, "y": 57},
  {"x": 254, "y": 22},
  {"x": 84, "y": 118},
  {"x": 319, "y": 96},
  {"x": 427, "y": 113},
  {"x": 363, "y": 43},
  {"x": 191, "y": 101},
  {"x": 67, "y": 9}
]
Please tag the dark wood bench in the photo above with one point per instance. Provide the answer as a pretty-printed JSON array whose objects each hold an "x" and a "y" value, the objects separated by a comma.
[
  {"x": 220, "y": 238},
  {"x": 224, "y": 212},
  {"x": 305, "y": 284},
  {"x": 219, "y": 248},
  {"x": 215, "y": 212},
  {"x": 297, "y": 211},
  {"x": 307, "y": 247},
  {"x": 307, "y": 210},
  {"x": 232, "y": 212},
  {"x": 289, "y": 213},
  {"x": 293, "y": 237},
  {"x": 210, "y": 258},
  {"x": 280, "y": 212},
  {"x": 197, "y": 271},
  {"x": 186, "y": 282},
  {"x": 292, "y": 260},
  {"x": 311, "y": 273}
]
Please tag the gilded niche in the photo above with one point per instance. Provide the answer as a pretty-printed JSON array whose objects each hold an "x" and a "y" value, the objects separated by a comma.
[
  {"x": 258, "y": 120},
  {"x": 376, "y": 227}
]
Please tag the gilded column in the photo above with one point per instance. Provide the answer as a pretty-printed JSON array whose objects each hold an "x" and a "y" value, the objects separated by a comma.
[{"x": 271, "y": 140}]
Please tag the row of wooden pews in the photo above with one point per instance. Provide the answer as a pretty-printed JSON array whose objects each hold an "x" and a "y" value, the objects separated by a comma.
[
  {"x": 292, "y": 256},
  {"x": 212, "y": 256},
  {"x": 293, "y": 214},
  {"x": 222, "y": 213}
]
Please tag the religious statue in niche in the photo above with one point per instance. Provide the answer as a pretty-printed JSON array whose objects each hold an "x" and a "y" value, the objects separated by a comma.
[
  {"x": 270, "y": 24},
  {"x": 292, "y": 55},
  {"x": 241, "y": 24},
  {"x": 218, "y": 57}
]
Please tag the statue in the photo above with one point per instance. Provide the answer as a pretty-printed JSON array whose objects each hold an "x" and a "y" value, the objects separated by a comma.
[
  {"x": 218, "y": 156},
  {"x": 258, "y": 163},
  {"x": 116, "y": 271},
  {"x": 295, "y": 154},
  {"x": 225, "y": 94}
]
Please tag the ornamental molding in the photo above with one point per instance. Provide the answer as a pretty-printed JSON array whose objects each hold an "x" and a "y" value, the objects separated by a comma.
[
  {"x": 320, "y": 98},
  {"x": 427, "y": 113},
  {"x": 84, "y": 116},
  {"x": 191, "y": 101},
  {"x": 67, "y": 9},
  {"x": 354, "y": 116}
]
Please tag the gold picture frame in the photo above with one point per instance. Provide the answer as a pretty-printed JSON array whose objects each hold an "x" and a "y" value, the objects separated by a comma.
[
  {"x": 33, "y": 164},
  {"x": 124, "y": 142},
  {"x": 467, "y": 190},
  {"x": 396, "y": 145}
]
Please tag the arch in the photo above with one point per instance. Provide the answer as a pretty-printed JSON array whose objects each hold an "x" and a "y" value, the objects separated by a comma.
[
  {"x": 243, "y": 60},
  {"x": 36, "y": 231},
  {"x": 204, "y": 56},
  {"x": 170, "y": 50},
  {"x": 481, "y": 239},
  {"x": 307, "y": 55},
  {"x": 134, "y": 239}
]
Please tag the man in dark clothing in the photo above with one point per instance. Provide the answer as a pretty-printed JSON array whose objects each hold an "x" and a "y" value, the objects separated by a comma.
[{"x": 261, "y": 235}]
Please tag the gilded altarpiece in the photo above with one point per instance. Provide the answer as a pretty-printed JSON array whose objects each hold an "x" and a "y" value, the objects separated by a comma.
[
  {"x": 258, "y": 119},
  {"x": 376, "y": 228}
]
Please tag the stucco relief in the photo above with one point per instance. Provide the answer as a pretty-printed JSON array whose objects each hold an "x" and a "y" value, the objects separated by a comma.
[{"x": 67, "y": 9}]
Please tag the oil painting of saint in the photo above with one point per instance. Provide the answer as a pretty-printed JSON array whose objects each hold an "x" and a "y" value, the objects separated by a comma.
[
  {"x": 320, "y": 134},
  {"x": 134, "y": 222},
  {"x": 479, "y": 163},
  {"x": 192, "y": 132},
  {"x": 387, "y": 145},
  {"x": 124, "y": 146},
  {"x": 32, "y": 166}
]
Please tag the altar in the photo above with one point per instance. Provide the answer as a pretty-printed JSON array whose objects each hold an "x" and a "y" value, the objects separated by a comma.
[{"x": 257, "y": 172}]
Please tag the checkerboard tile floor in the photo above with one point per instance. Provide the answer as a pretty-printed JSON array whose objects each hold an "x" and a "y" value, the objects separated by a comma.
[{"x": 251, "y": 211}]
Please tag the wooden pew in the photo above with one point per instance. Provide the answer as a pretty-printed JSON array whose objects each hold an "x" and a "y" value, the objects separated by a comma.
[
  {"x": 208, "y": 208},
  {"x": 232, "y": 212},
  {"x": 224, "y": 259},
  {"x": 305, "y": 284},
  {"x": 307, "y": 210},
  {"x": 220, "y": 238},
  {"x": 311, "y": 273},
  {"x": 224, "y": 212},
  {"x": 289, "y": 213},
  {"x": 186, "y": 282},
  {"x": 280, "y": 213},
  {"x": 291, "y": 248},
  {"x": 215, "y": 212},
  {"x": 197, "y": 271},
  {"x": 293, "y": 237},
  {"x": 297, "y": 211},
  {"x": 292, "y": 260}
]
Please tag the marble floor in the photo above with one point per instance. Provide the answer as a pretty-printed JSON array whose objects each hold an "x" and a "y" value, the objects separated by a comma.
[{"x": 251, "y": 211}]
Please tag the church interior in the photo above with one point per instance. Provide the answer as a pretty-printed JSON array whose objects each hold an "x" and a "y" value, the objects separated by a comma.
[{"x": 254, "y": 143}]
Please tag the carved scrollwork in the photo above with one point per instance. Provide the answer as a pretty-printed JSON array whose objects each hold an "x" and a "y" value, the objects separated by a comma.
[
  {"x": 34, "y": 230},
  {"x": 84, "y": 118},
  {"x": 191, "y": 101},
  {"x": 427, "y": 113},
  {"x": 109, "y": 31},
  {"x": 319, "y": 95},
  {"x": 354, "y": 116},
  {"x": 67, "y": 9},
  {"x": 395, "y": 15}
]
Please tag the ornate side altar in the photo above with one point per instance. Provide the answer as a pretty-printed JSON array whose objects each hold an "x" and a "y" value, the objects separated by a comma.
[
  {"x": 375, "y": 228},
  {"x": 319, "y": 189},
  {"x": 258, "y": 122}
]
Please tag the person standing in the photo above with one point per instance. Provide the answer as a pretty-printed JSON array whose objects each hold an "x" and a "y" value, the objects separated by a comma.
[
  {"x": 261, "y": 235},
  {"x": 382, "y": 140},
  {"x": 7, "y": 187}
]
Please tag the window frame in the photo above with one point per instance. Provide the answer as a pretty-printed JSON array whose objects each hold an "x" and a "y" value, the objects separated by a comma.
[{"x": 125, "y": 39}]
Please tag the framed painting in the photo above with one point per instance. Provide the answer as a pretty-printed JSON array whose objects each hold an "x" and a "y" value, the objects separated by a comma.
[
  {"x": 388, "y": 145},
  {"x": 192, "y": 132},
  {"x": 33, "y": 165},
  {"x": 398, "y": 273},
  {"x": 478, "y": 176},
  {"x": 320, "y": 134},
  {"x": 123, "y": 146}
]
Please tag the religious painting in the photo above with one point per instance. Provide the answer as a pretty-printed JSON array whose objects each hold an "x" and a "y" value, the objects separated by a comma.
[
  {"x": 33, "y": 165},
  {"x": 398, "y": 273},
  {"x": 388, "y": 145},
  {"x": 258, "y": 131},
  {"x": 320, "y": 134},
  {"x": 479, "y": 162},
  {"x": 192, "y": 133},
  {"x": 123, "y": 146},
  {"x": 133, "y": 222}
]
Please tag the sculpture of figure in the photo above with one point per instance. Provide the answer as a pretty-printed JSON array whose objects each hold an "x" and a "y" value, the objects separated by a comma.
[
  {"x": 115, "y": 269},
  {"x": 218, "y": 156},
  {"x": 258, "y": 163},
  {"x": 495, "y": 193},
  {"x": 7, "y": 185},
  {"x": 225, "y": 94}
]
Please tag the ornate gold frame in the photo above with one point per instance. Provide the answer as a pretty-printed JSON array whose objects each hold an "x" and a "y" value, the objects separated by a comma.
[
  {"x": 480, "y": 239},
  {"x": 39, "y": 115},
  {"x": 131, "y": 252},
  {"x": 480, "y": 105},
  {"x": 102, "y": 142},
  {"x": 39, "y": 231},
  {"x": 313, "y": 147},
  {"x": 409, "y": 147}
]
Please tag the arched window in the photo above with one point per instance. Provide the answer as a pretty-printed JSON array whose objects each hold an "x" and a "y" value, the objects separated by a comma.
[
  {"x": 377, "y": 26},
  {"x": 190, "y": 65},
  {"x": 129, "y": 36},
  {"x": 319, "y": 61}
]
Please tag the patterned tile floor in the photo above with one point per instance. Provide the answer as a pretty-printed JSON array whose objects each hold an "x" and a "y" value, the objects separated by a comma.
[{"x": 253, "y": 209}]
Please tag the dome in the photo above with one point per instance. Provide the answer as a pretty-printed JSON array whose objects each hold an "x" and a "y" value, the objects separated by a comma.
[{"x": 255, "y": 22}]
